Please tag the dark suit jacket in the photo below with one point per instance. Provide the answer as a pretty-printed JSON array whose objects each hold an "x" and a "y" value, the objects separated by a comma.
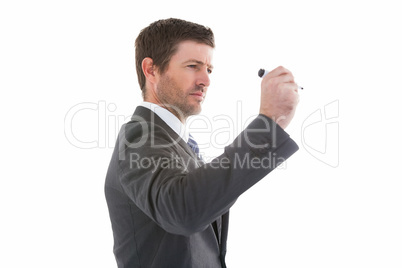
[{"x": 168, "y": 208}]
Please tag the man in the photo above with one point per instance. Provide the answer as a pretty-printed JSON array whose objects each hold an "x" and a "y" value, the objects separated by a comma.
[{"x": 167, "y": 207}]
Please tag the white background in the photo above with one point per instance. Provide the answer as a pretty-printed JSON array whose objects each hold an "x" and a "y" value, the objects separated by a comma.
[{"x": 55, "y": 55}]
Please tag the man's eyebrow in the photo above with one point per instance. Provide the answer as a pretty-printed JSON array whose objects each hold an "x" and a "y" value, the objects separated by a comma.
[{"x": 199, "y": 62}]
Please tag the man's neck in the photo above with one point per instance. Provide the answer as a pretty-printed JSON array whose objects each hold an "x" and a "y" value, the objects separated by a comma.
[{"x": 168, "y": 107}]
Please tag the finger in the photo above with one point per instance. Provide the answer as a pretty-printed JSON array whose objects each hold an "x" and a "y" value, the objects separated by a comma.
[
  {"x": 279, "y": 80},
  {"x": 277, "y": 72},
  {"x": 286, "y": 78},
  {"x": 290, "y": 90},
  {"x": 289, "y": 86}
]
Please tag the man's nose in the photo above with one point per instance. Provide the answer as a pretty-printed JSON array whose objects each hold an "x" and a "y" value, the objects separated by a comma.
[{"x": 203, "y": 78}]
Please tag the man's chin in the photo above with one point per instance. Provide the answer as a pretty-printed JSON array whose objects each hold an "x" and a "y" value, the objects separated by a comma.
[
  {"x": 197, "y": 110},
  {"x": 194, "y": 112}
]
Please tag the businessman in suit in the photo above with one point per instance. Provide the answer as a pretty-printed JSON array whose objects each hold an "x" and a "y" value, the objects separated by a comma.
[{"x": 168, "y": 208}]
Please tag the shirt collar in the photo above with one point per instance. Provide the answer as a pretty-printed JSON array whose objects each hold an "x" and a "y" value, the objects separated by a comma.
[{"x": 170, "y": 119}]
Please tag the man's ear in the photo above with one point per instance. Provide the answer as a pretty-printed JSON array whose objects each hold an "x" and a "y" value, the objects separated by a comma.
[{"x": 148, "y": 69}]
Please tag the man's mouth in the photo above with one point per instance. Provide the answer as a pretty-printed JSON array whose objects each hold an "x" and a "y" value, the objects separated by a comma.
[{"x": 198, "y": 94}]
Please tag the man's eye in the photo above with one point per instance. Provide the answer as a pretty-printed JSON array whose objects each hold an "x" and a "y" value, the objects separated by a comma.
[
  {"x": 192, "y": 66},
  {"x": 209, "y": 71}
]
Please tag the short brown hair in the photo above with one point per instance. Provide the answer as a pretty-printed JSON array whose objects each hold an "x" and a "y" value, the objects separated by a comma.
[{"x": 160, "y": 39}]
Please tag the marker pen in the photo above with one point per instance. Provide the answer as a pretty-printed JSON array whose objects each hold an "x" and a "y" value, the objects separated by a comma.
[{"x": 262, "y": 73}]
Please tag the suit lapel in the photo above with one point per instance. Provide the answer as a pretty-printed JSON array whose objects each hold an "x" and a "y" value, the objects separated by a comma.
[{"x": 149, "y": 116}]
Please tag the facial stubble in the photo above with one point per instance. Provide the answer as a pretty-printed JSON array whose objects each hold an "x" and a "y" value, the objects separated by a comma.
[{"x": 175, "y": 99}]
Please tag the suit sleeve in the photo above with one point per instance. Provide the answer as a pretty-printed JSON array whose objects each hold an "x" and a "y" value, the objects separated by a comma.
[{"x": 184, "y": 199}]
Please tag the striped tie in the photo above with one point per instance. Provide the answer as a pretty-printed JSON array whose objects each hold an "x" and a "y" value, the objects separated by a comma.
[{"x": 194, "y": 146}]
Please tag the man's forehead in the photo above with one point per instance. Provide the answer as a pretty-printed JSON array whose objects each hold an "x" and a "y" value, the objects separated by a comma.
[{"x": 193, "y": 51}]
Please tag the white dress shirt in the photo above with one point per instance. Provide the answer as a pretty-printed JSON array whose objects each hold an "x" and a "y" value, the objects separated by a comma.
[{"x": 170, "y": 119}]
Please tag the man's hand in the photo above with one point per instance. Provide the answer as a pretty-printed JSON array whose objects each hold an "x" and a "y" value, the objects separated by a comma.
[{"x": 279, "y": 96}]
